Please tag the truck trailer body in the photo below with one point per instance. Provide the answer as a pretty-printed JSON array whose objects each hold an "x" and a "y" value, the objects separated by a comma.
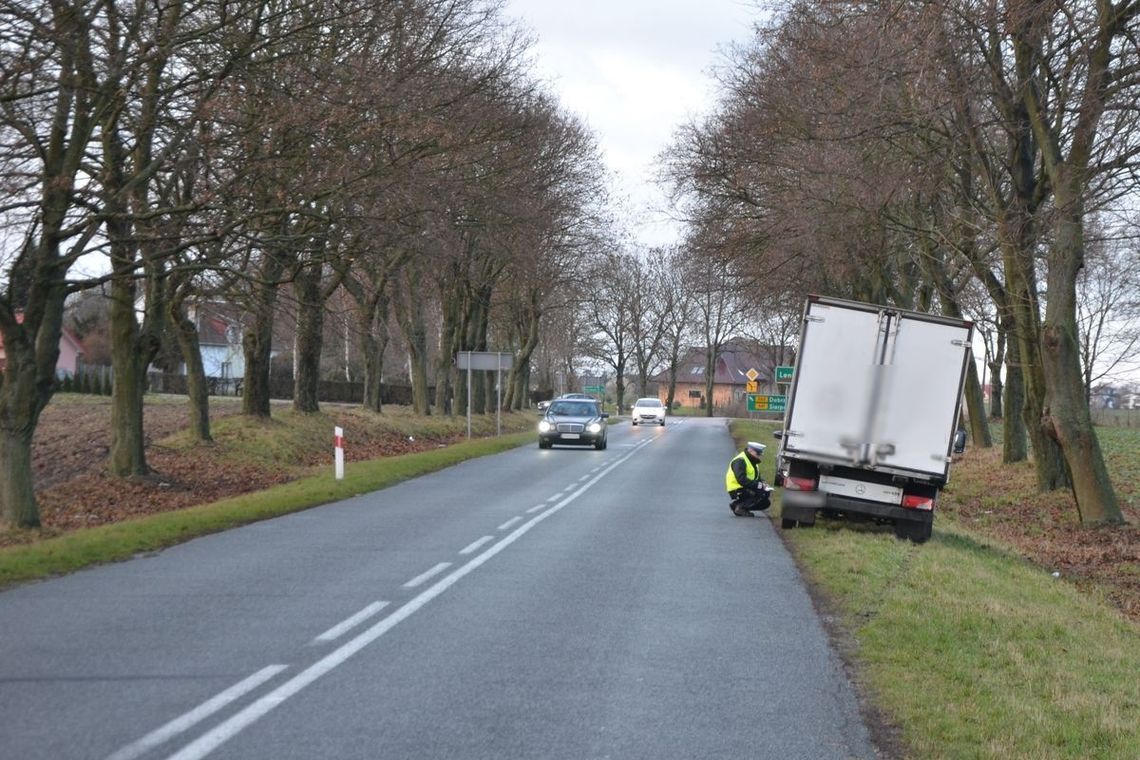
[{"x": 872, "y": 413}]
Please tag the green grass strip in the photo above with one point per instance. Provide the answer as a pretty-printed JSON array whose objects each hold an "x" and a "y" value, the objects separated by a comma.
[
  {"x": 972, "y": 651},
  {"x": 119, "y": 541}
]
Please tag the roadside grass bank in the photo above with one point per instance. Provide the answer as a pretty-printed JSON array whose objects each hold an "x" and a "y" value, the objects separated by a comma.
[
  {"x": 967, "y": 645},
  {"x": 293, "y": 449}
]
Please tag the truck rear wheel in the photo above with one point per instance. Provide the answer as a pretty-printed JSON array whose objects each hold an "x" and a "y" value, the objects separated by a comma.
[
  {"x": 787, "y": 523},
  {"x": 916, "y": 532}
]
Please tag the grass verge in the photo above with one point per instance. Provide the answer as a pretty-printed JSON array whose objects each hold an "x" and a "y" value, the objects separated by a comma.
[
  {"x": 119, "y": 541},
  {"x": 970, "y": 650}
]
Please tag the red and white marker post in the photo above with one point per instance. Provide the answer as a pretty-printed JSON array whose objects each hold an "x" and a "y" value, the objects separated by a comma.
[{"x": 338, "y": 451}]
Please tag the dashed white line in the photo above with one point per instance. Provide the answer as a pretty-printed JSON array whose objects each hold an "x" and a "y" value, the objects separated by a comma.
[
  {"x": 419, "y": 579},
  {"x": 231, "y": 727},
  {"x": 476, "y": 544},
  {"x": 509, "y": 523},
  {"x": 349, "y": 623},
  {"x": 556, "y": 496},
  {"x": 536, "y": 507},
  {"x": 201, "y": 712}
]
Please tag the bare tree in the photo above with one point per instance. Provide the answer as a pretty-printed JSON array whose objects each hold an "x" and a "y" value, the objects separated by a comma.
[
  {"x": 1108, "y": 311},
  {"x": 679, "y": 305},
  {"x": 84, "y": 92},
  {"x": 607, "y": 307},
  {"x": 649, "y": 316}
]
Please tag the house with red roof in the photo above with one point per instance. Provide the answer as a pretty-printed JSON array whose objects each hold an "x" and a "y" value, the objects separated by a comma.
[
  {"x": 70, "y": 352},
  {"x": 730, "y": 376}
]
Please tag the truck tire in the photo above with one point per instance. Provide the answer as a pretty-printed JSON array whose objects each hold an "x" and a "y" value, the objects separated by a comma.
[
  {"x": 915, "y": 532},
  {"x": 788, "y": 524}
]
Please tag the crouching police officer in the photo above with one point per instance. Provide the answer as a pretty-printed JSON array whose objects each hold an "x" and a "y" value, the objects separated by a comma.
[{"x": 745, "y": 487}]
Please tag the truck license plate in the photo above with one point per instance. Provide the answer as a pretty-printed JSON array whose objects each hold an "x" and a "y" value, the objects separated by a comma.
[{"x": 860, "y": 489}]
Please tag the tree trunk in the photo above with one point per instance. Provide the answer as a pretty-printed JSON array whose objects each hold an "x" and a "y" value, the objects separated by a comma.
[
  {"x": 411, "y": 320},
  {"x": 374, "y": 341},
  {"x": 309, "y": 334},
  {"x": 1015, "y": 443},
  {"x": 976, "y": 408},
  {"x": 1021, "y": 281},
  {"x": 257, "y": 342},
  {"x": 477, "y": 322},
  {"x": 197, "y": 390},
  {"x": 17, "y": 491},
  {"x": 1066, "y": 413},
  {"x": 25, "y": 388},
  {"x": 995, "y": 376},
  {"x": 128, "y": 361},
  {"x": 934, "y": 267},
  {"x": 446, "y": 377},
  {"x": 415, "y": 333},
  {"x": 520, "y": 369}
]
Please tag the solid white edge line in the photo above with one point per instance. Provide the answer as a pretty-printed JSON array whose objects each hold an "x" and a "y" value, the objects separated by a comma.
[
  {"x": 348, "y": 623},
  {"x": 226, "y": 730},
  {"x": 419, "y": 579},
  {"x": 476, "y": 544},
  {"x": 510, "y": 522},
  {"x": 188, "y": 720}
]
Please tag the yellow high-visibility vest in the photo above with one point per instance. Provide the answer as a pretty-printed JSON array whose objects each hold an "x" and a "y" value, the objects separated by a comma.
[{"x": 730, "y": 482}]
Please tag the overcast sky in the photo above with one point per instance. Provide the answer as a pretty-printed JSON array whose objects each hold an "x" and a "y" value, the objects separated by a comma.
[{"x": 634, "y": 70}]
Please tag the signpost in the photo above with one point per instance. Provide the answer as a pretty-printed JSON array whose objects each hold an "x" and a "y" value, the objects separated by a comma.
[
  {"x": 761, "y": 403},
  {"x": 784, "y": 375},
  {"x": 593, "y": 389},
  {"x": 485, "y": 361}
]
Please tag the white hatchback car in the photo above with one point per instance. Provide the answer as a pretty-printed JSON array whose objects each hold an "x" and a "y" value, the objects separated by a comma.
[{"x": 648, "y": 410}]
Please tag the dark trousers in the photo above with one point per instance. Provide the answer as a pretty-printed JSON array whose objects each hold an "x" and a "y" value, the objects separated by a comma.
[{"x": 753, "y": 501}]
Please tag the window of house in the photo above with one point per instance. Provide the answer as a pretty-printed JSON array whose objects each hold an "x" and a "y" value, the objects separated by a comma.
[
  {"x": 694, "y": 394},
  {"x": 697, "y": 371},
  {"x": 226, "y": 368}
]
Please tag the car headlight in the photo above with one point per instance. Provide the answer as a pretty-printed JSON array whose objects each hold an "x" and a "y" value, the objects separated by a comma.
[
  {"x": 544, "y": 427},
  {"x": 594, "y": 427}
]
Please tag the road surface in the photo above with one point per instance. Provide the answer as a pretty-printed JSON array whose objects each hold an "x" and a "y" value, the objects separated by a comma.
[{"x": 567, "y": 603}]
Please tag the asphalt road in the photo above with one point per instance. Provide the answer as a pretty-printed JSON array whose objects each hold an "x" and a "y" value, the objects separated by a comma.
[{"x": 567, "y": 603}]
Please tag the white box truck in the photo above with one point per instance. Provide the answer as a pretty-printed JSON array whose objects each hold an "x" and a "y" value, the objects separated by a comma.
[{"x": 872, "y": 415}]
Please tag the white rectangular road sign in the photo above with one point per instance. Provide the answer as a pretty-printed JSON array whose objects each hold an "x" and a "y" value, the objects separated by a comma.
[
  {"x": 494, "y": 361},
  {"x": 484, "y": 360}
]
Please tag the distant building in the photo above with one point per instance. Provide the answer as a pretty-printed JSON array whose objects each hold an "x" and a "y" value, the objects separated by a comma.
[
  {"x": 219, "y": 328},
  {"x": 1104, "y": 397},
  {"x": 70, "y": 352},
  {"x": 730, "y": 378}
]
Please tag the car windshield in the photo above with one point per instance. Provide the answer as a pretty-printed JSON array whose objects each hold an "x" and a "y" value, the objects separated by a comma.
[
  {"x": 648, "y": 402},
  {"x": 573, "y": 409}
]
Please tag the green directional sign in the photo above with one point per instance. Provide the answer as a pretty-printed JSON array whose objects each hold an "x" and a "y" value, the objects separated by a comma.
[
  {"x": 593, "y": 389},
  {"x": 761, "y": 403},
  {"x": 784, "y": 374}
]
